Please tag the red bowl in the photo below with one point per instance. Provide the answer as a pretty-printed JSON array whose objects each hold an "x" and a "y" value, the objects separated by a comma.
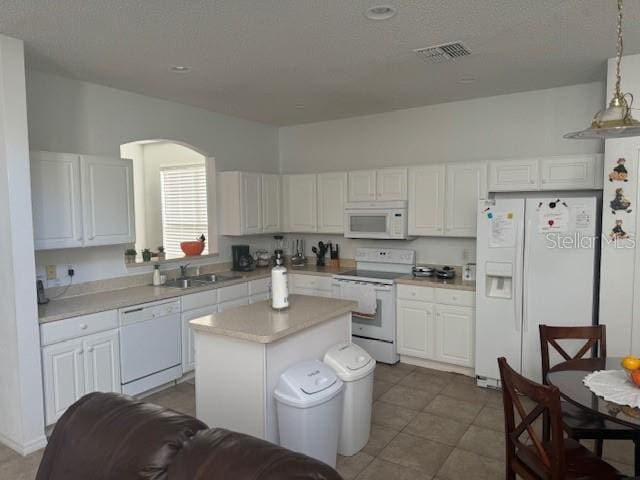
[{"x": 192, "y": 249}]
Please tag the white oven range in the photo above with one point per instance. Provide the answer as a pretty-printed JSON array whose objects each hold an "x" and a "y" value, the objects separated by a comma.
[{"x": 375, "y": 274}]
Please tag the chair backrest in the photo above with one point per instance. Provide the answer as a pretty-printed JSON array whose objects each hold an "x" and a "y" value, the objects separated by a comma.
[
  {"x": 531, "y": 457},
  {"x": 595, "y": 337}
]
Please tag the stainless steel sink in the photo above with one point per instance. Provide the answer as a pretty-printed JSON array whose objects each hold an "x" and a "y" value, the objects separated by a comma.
[{"x": 197, "y": 281}]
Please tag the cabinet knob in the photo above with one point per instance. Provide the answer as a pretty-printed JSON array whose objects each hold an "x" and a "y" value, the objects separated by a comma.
[
  {"x": 83, "y": 326},
  {"x": 90, "y": 349},
  {"x": 79, "y": 352},
  {"x": 454, "y": 298},
  {"x": 413, "y": 294}
]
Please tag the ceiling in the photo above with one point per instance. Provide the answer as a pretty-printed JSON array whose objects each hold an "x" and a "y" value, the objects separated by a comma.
[{"x": 287, "y": 62}]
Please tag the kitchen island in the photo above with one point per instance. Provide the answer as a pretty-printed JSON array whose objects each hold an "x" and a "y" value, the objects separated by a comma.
[{"x": 241, "y": 353}]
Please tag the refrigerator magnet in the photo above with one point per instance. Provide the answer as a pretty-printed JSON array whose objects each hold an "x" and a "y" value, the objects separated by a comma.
[
  {"x": 619, "y": 172},
  {"x": 620, "y": 202}
]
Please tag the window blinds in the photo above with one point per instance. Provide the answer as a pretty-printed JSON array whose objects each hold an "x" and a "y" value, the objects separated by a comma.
[{"x": 184, "y": 206}]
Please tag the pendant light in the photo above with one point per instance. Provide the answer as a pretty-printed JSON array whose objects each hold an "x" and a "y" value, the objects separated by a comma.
[{"x": 615, "y": 121}]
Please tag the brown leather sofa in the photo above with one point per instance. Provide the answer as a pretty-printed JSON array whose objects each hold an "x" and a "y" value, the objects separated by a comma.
[{"x": 106, "y": 436}]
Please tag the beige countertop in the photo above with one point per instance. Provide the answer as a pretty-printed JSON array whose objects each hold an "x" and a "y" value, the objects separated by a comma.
[
  {"x": 260, "y": 323},
  {"x": 456, "y": 283},
  {"x": 125, "y": 297}
]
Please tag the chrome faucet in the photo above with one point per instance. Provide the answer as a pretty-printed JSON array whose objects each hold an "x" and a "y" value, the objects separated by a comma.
[{"x": 183, "y": 270}]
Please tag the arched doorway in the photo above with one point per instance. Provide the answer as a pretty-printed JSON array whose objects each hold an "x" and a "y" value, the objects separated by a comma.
[{"x": 174, "y": 185}]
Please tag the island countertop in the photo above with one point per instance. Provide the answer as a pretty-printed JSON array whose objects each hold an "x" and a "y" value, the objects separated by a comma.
[{"x": 260, "y": 323}]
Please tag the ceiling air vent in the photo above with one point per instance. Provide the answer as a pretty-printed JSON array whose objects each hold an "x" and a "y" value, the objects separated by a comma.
[{"x": 442, "y": 53}]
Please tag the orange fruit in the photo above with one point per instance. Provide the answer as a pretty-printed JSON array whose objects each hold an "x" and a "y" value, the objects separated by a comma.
[
  {"x": 631, "y": 363},
  {"x": 635, "y": 377}
]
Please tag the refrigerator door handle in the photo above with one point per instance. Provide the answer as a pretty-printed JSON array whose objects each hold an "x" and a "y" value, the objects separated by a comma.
[
  {"x": 518, "y": 279},
  {"x": 525, "y": 300}
]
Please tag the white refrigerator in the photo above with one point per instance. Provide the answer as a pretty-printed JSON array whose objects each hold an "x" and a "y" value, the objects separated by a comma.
[{"x": 537, "y": 263}]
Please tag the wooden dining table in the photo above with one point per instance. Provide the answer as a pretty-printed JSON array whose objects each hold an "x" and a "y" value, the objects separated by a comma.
[{"x": 569, "y": 381}]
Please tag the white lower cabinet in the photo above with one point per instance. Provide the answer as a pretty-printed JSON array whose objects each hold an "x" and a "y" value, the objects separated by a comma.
[
  {"x": 188, "y": 342},
  {"x": 79, "y": 366},
  {"x": 455, "y": 335},
  {"x": 416, "y": 329},
  {"x": 443, "y": 332}
]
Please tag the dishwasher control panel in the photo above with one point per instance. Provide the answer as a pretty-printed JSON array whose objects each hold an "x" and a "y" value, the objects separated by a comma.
[{"x": 148, "y": 311}]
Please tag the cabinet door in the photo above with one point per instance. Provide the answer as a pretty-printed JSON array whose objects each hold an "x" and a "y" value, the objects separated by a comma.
[
  {"x": 188, "y": 340},
  {"x": 362, "y": 186},
  {"x": 455, "y": 335},
  {"x": 426, "y": 200},
  {"x": 107, "y": 192},
  {"x": 233, "y": 303},
  {"x": 391, "y": 184},
  {"x": 102, "y": 362},
  {"x": 466, "y": 184},
  {"x": 63, "y": 367},
  {"x": 513, "y": 175},
  {"x": 259, "y": 297},
  {"x": 301, "y": 203},
  {"x": 271, "y": 221},
  {"x": 332, "y": 195},
  {"x": 251, "y": 203},
  {"x": 56, "y": 199},
  {"x": 416, "y": 329},
  {"x": 569, "y": 172}
]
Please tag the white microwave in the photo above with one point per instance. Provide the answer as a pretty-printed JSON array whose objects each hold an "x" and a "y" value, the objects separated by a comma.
[{"x": 383, "y": 220}]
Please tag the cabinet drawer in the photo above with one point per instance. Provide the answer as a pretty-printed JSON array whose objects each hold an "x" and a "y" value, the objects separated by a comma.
[
  {"x": 414, "y": 292},
  {"x": 199, "y": 300},
  {"x": 53, "y": 332},
  {"x": 262, "y": 285},
  {"x": 314, "y": 282},
  {"x": 463, "y": 298},
  {"x": 233, "y": 292}
]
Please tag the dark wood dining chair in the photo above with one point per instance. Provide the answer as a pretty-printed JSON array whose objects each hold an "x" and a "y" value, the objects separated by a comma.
[
  {"x": 532, "y": 458},
  {"x": 577, "y": 422}
]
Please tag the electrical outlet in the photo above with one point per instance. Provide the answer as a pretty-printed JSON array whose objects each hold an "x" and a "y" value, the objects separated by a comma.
[{"x": 52, "y": 272}]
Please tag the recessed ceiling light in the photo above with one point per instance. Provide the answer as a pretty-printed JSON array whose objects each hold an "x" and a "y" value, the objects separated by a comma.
[
  {"x": 380, "y": 12},
  {"x": 179, "y": 68},
  {"x": 467, "y": 80}
]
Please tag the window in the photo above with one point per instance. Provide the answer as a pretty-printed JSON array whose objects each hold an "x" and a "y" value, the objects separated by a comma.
[{"x": 184, "y": 206}]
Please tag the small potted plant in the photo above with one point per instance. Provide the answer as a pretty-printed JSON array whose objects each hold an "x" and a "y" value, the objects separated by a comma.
[
  {"x": 146, "y": 255},
  {"x": 130, "y": 256},
  {"x": 162, "y": 255}
]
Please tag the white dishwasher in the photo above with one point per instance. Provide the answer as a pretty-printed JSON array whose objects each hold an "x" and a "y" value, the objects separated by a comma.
[{"x": 150, "y": 345}]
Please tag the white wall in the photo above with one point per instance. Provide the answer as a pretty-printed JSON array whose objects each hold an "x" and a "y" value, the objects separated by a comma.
[
  {"x": 507, "y": 126},
  {"x": 21, "y": 401},
  {"x": 67, "y": 115},
  {"x": 620, "y": 267}
]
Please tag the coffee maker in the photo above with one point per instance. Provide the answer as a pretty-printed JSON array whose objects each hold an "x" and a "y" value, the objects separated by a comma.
[{"x": 242, "y": 259}]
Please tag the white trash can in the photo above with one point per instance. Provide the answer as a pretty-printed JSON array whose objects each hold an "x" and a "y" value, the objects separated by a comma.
[
  {"x": 309, "y": 406},
  {"x": 354, "y": 367}
]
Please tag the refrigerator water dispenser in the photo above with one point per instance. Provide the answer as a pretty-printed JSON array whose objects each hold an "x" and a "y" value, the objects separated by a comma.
[{"x": 499, "y": 278}]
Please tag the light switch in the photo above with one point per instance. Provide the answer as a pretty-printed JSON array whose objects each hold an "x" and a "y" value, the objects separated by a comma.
[{"x": 52, "y": 272}]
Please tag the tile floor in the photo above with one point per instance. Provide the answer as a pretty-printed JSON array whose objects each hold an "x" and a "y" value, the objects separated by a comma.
[{"x": 426, "y": 425}]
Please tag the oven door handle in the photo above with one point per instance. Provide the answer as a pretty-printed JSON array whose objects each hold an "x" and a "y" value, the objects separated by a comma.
[{"x": 377, "y": 288}]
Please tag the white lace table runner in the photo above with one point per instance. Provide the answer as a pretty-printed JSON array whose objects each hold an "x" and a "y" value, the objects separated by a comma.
[{"x": 614, "y": 386}]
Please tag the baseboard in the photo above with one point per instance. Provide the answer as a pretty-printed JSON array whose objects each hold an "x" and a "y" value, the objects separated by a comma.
[
  {"x": 444, "y": 367},
  {"x": 31, "y": 446}
]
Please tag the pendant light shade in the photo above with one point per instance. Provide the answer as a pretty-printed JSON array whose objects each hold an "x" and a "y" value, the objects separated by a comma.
[{"x": 615, "y": 121}]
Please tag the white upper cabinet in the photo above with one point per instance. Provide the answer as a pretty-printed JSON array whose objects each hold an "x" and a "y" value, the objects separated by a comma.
[
  {"x": 565, "y": 172},
  {"x": 81, "y": 200},
  {"x": 571, "y": 172},
  {"x": 385, "y": 185},
  {"x": 271, "y": 217},
  {"x": 250, "y": 203},
  {"x": 391, "y": 184},
  {"x": 362, "y": 186},
  {"x": 57, "y": 200},
  {"x": 108, "y": 200},
  {"x": 466, "y": 184},
  {"x": 300, "y": 203},
  {"x": 251, "y": 195},
  {"x": 332, "y": 195},
  {"x": 513, "y": 175},
  {"x": 426, "y": 200}
]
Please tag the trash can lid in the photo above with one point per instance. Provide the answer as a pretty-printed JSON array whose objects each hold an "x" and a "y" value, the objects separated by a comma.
[
  {"x": 349, "y": 361},
  {"x": 307, "y": 384}
]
